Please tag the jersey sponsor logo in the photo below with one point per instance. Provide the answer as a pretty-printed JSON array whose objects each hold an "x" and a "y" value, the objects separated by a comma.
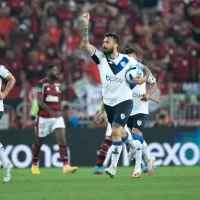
[
  {"x": 123, "y": 116},
  {"x": 114, "y": 79},
  {"x": 139, "y": 122},
  {"x": 136, "y": 95},
  {"x": 51, "y": 98}
]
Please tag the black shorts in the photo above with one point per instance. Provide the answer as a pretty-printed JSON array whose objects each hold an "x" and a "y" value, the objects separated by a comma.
[
  {"x": 137, "y": 121},
  {"x": 119, "y": 113},
  {"x": 1, "y": 114}
]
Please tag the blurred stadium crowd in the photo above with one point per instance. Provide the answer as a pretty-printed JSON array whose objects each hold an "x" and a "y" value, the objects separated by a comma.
[{"x": 166, "y": 34}]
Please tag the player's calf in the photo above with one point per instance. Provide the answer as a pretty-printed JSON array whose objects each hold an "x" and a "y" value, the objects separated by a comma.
[{"x": 98, "y": 169}]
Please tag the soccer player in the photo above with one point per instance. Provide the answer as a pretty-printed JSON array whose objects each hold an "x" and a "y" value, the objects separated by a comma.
[
  {"x": 49, "y": 119},
  {"x": 117, "y": 95},
  {"x": 5, "y": 74},
  {"x": 136, "y": 121}
]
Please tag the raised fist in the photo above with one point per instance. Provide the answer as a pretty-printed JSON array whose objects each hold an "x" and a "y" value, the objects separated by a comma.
[{"x": 86, "y": 18}]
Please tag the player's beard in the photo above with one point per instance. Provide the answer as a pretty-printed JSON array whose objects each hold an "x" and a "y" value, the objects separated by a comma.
[
  {"x": 54, "y": 77},
  {"x": 108, "y": 52}
]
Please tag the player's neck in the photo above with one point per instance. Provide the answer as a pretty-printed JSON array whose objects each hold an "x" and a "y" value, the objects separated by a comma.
[{"x": 114, "y": 55}]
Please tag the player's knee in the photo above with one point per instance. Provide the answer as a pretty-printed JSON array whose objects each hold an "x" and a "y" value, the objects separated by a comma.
[{"x": 137, "y": 131}]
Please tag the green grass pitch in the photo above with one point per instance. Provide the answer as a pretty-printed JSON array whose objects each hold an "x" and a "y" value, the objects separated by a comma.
[{"x": 167, "y": 183}]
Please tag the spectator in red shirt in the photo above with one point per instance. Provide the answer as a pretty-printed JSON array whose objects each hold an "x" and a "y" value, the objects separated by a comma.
[
  {"x": 193, "y": 10},
  {"x": 7, "y": 23},
  {"x": 34, "y": 67},
  {"x": 13, "y": 64},
  {"x": 54, "y": 30}
]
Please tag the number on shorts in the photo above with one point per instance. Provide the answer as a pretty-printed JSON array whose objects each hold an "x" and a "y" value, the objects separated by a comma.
[{"x": 42, "y": 126}]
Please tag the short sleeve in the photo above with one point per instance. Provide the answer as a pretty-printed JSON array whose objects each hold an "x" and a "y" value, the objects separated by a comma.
[
  {"x": 40, "y": 89},
  {"x": 3, "y": 71},
  {"x": 132, "y": 61},
  {"x": 151, "y": 79},
  {"x": 97, "y": 56}
]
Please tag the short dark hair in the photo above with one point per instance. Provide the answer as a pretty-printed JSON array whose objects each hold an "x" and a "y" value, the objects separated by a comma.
[
  {"x": 49, "y": 67},
  {"x": 114, "y": 36},
  {"x": 130, "y": 50}
]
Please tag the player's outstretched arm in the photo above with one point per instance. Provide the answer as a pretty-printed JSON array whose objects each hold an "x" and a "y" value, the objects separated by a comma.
[
  {"x": 10, "y": 84},
  {"x": 85, "y": 40}
]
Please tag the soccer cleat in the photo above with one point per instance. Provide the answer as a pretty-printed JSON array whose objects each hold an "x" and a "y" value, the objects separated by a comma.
[
  {"x": 150, "y": 167},
  {"x": 7, "y": 175},
  {"x": 98, "y": 170},
  {"x": 69, "y": 169},
  {"x": 137, "y": 173},
  {"x": 35, "y": 170},
  {"x": 111, "y": 171},
  {"x": 145, "y": 169}
]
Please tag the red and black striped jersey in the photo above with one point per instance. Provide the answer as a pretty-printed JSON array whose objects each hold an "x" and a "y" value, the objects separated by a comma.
[{"x": 51, "y": 92}]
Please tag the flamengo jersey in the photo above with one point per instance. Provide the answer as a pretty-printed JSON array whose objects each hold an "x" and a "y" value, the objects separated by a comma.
[
  {"x": 3, "y": 74},
  {"x": 115, "y": 88},
  {"x": 51, "y": 96},
  {"x": 139, "y": 106}
]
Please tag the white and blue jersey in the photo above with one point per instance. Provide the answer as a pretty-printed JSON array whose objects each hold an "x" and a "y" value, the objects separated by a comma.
[
  {"x": 3, "y": 74},
  {"x": 139, "y": 106},
  {"x": 115, "y": 88}
]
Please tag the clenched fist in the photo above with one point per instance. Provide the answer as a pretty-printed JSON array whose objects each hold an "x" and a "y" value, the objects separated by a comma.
[{"x": 86, "y": 18}]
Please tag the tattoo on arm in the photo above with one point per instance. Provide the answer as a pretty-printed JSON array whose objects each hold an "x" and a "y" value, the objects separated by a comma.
[
  {"x": 145, "y": 70},
  {"x": 85, "y": 34}
]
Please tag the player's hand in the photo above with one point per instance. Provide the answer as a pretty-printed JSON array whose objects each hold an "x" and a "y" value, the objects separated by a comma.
[
  {"x": 2, "y": 95},
  {"x": 99, "y": 117},
  {"x": 145, "y": 97},
  {"x": 139, "y": 80},
  {"x": 86, "y": 18}
]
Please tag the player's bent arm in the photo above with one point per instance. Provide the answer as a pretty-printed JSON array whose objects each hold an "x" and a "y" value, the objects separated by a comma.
[
  {"x": 43, "y": 105},
  {"x": 10, "y": 84},
  {"x": 146, "y": 71},
  {"x": 153, "y": 85},
  {"x": 88, "y": 48}
]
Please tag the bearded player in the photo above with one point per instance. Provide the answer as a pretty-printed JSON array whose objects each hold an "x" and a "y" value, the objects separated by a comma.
[{"x": 49, "y": 119}]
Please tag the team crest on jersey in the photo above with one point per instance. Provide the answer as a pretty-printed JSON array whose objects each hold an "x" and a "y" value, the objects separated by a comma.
[
  {"x": 110, "y": 62},
  {"x": 123, "y": 116},
  {"x": 48, "y": 89},
  {"x": 123, "y": 63},
  {"x": 139, "y": 123}
]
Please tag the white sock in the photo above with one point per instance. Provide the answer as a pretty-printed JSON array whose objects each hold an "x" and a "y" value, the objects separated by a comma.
[
  {"x": 145, "y": 152},
  {"x": 3, "y": 157},
  {"x": 138, "y": 155},
  {"x": 129, "y": 140},
  {"x": 116, "y": 151}
]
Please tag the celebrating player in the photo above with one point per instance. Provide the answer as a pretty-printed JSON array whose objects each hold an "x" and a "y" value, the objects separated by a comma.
[
  {"x": 136, "y": 121},
  {"x": 117, "y": 95},
  {"x": 5, "y": 74},
  {"x": 49, "y": 119}
]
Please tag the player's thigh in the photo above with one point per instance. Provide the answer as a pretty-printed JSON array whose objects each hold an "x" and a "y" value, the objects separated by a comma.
[
  {"x": 130, "y": 122},
  {"x": 58, "y": 128},
  {"x": 110, "y": 113},
  {"x": 42, "y": 126},
  {"x": 40, "y": 141},
  {"x": 122, "y": 112},
  {"x": 139, "y": 122}
]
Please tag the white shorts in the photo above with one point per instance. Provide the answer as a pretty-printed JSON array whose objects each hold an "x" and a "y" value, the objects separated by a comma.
[
  {"x": 45, "y": 126},
  {"x": 109, "y": 129}
]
